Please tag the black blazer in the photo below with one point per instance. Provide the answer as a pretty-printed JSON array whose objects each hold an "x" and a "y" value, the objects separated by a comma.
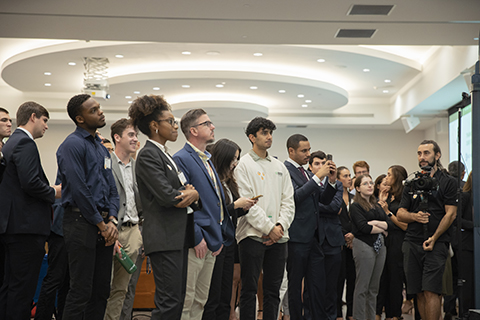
[
  {"x": 165, "y": 226},
  {"x": 307, "y": 195},
  {"x": 26, "y": 196}
]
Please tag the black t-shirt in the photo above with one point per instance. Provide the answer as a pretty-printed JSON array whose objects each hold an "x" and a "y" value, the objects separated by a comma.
[{"x": 445, "y": 195}]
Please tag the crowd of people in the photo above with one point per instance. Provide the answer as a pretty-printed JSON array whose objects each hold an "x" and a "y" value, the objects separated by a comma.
[{"x": 219, "y": 228}]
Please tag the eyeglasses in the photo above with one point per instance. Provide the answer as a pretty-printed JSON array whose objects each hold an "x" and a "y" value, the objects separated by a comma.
[
  {"x": 368, "y": 183},
  {"x": 171, "y": 121},
  {"x": 205, "y": 123}
]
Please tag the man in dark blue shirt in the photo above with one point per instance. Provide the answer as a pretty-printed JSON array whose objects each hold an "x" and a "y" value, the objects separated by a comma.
[{"x": 91, "y": 202}]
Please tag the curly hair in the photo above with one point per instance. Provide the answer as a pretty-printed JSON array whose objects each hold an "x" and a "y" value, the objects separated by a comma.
[
  {"x": 258, "y": 123},
  {"x": 146, "y": 109},
  {"x": 74, "y": 105}
]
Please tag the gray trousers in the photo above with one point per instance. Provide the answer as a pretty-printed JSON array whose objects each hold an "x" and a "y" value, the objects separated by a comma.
[{"x": 369, "y": 268}]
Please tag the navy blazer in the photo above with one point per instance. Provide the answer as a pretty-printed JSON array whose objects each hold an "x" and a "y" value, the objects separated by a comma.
[
  {"x": 307, "y": 196},
  {"x": 26, "y": 196},
  {"x": 329, "y": 226},
  {"x": 206, "y": 220}
]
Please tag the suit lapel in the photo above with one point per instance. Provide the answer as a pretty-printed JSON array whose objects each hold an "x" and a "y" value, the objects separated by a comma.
[
  {"x": 199, "y": 161},
  {"x": 297, "y": 175},
  {"x": 116, "y": 171}
]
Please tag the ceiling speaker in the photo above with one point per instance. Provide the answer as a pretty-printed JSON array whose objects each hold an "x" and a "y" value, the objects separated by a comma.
[{"x": 409, "y": 123}]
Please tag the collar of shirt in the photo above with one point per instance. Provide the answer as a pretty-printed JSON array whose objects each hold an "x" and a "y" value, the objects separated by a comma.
[
  {"x": 204, "y": 155},
  {"x": 120, "y": 161},
  {"x": 85, "y": 134},
  {"x": 164, "y": 150},
  {"x": 295, "y": 163},
  {"x": 27, "y": 132},
  {"x": 256, "y": 157}
]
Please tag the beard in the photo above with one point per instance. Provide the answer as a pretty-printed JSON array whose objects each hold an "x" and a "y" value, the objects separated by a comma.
[{"x": 431, "y": 164}]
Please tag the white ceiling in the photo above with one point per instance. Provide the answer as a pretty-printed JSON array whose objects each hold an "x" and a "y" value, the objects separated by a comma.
[{"x": 421, "y": 47}]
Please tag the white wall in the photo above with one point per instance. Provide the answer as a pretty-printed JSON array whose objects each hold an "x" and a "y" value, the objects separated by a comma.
[{"x": 380, "y": 148}]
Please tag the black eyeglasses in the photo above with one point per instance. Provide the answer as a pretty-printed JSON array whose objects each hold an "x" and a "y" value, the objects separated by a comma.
[
  {"x": 205, "y": 123},
  {"x": 171, "y": 121}
]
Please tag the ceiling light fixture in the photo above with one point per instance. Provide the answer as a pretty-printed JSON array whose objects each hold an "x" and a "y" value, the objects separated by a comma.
[
  {"x": 321, "y": 60},
  {"x": 258, "y": 54},
  {"x": 308, "y": 101},
  {"x": 304, "y": 105},
  {"x": 136, "y": 92},
  {"x": 366, "y": 70},
  {"x": 254, "y": 88},
  {"x": 119, "y": 56},
  {"x": 185, "y": 86},
  {"x": 385, "y": 91},
  {"x": 476, "y": 39},
  {"x": 219, "y": 86},
  {"x": 48, "y": 84},
  {"x": 128, "y": 97},
  {"x": 186, "y": 53},
  {"x": 388, "y": 80},
  {"x": 300, "y": 96},
  {"x": 156, "y": 88},
  {"x": 47, "y": 73},
  {"x": 281, "y": 91},
  {"x": 72, "y": 64},
  {"x": 130, "y": 101}
]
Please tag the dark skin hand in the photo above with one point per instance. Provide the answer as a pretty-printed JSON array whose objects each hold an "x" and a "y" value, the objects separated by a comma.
[{"x": 189, "y": 196}]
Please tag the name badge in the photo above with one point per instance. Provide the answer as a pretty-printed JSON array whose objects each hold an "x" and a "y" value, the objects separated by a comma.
[
  {"x": 107, "y": 164},
  {"x": 181, "y": 177}
]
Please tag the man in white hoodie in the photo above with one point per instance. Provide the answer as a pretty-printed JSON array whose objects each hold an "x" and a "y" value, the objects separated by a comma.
[{"x": 262, "y": 234}]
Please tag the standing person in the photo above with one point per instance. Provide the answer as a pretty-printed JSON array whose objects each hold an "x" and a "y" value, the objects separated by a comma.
[
  {"x": 359, "y": 167},
  {"x": 305, "y": 257},
  {"x": 213, "y": 226},
  {"x": 380, "y": 186},
  {"x": 391, "y": 283},
  {"x": 262, "y": 234},
  {"x": 225, "y": 156},
  {"x": 25, "y": 211},
  {"x": 369, "y": 227},
  {"x": 91, "y": 202},
  {"x": 428, "y": 234},
  {"x": 168, "y": 226},
  {"x": 124, "y": 136},
  {"x": 347, "y": 269}
]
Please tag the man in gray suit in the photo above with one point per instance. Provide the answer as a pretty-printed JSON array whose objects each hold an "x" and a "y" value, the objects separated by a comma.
[{"x": 125, "y": 139}]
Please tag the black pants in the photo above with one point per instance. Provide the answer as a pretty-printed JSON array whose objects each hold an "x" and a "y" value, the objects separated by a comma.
[
  {"x": 23, "y": 259},
  {"x": 347, "y": 273},
  {"x": 90, "y": 267},
  {"x": 56, "y": 280},
  {"x": 170, "y": 274},
  {"x": 255, "y": 256},
  {"x": 220, "y": 294}
]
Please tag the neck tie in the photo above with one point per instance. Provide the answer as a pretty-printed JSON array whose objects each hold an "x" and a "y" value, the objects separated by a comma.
[{"x": 303, "y": 172}]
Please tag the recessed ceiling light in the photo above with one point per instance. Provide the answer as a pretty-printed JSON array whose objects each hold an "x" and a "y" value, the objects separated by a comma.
[
  {"x": 48, "y": 84},
  {"x": 156, "y": 88},
  {"x": 72, "y": 64},
  {"x": 321, "y": 60},
  {"x": 258, "y": 54},
  {"x": 119, "y": 56},
  {"x": 304, "y": 105},
  {"x": 254, "y": 88},
  {"x": 281, "y": 91},
  {"x": 130, "y": 101},
  {"x": 388, "y": 80},
  {"x": 185, "y": 86},
  {"x": 136, "y": 92},
  {"x": 300, "y": 96},
  {"x": 385, "y": 91},
  {"x": 366, "y": 70},
  {"x": 219, "y": 86},
  {"x": 128, "y": 97},
  {"x": 47, "y": 73},
  {"x": 476, "y": 39},
  {"x": 186, "y": 52},
  {"x": 308, "y": 101}
]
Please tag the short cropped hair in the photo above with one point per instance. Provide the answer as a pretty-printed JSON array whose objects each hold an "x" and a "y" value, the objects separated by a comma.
[
  {"x": 74, "y": 106},
  {"x": 453, "y": 168},
  {"x": 317, "y": 154},
  {"x": 188, "y": 120},
  {"x": 26, "y": 109},
  {"x": 360, "y": 164},
  {"x": 258, "y": 123},
  {"x": 4, "y": 110},
  {"x": 118, "y": 127},
  {"x": 294, "y": 141}
]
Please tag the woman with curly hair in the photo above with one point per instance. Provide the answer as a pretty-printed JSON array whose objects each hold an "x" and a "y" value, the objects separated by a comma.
[{"x": 166, "y": 201}]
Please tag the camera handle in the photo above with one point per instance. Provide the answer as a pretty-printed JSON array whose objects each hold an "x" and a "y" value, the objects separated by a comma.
[{"x": 424, "y": 207}]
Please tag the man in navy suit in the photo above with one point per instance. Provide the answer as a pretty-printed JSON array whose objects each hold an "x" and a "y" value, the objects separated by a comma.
[
  {"x": 5, "y": 131},
  {"x": 25, "y": 212},
  {"x": 304, "y": 251},
  {"x": 213, "y": 226}
]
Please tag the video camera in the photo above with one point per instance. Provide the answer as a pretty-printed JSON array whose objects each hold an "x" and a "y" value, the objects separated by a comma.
[{"x": 422, "y": 182}]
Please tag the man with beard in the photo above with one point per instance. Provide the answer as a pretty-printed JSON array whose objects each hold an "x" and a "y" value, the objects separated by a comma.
[
  {"x": 426, "y": 243},
  {"x": 213, "y": 226},
  {"x": 262, "y": 234},
  {"x": 91, "y": 203}
]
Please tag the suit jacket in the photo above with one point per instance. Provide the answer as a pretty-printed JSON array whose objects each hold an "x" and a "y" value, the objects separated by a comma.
[
  {"x": 117, "y": 174},
  {"x": 329, "y": 226},
  {"x": 307, "y": 196},
  {"x": 207, "y": 219},
  {"x": 2, "y": 168},
  {"x": 27, "y": 198},
  {"x": 165, "y": 226}
]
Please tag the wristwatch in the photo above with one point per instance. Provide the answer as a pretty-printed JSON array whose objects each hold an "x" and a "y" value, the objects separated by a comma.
[
  {"x": 114, "y": 220},
  {"x": 390, "y": 214}
]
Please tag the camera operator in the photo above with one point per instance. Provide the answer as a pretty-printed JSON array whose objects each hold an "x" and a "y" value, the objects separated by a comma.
[{"x": 429, "y": 207}]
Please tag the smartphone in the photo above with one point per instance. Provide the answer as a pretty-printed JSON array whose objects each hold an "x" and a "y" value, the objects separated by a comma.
[
  {"x": 256, "y": 197},
  {"x": 329, "y": 157}
]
